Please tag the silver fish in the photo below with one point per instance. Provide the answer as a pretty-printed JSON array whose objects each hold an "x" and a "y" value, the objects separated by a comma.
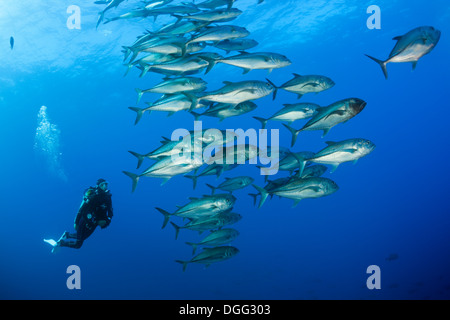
[
  {"x": 258, "y": 60},
  {"x": 232, "y": 184},
  {"x": 218, "y": 15},
  {"x": 209, "y": 223},
  {"x": 166, "y": 168},
  {"x": 299, "y": 188},
  {"x": 170, "y": 103},
  {"x": 171, "y": 45},
  {"x": 180, "y": 66},
  {"x": 224, "y": 111},
  {"x": 163, "y": 44},
  {"x": 152, "y": 58},
  {"x": 130, "y": 15},
  {"x": 207, "y": 206},
  {"x": 172, "y": 86},
  {"x": 309, "y": 172},
  {"x": 211, "y": 255},
  {"x": 411, "y": 47},
  {"x": 236, "y": 44},
  {"x": 343, "y": 151},
  {"x": 291, "y": 113},
  {"x": 216, "y": 238},
  {"x": 220, "y": 33},
  {"x": 307, "y": 84},
  {"x": 235, "y": 93},
  {"x": 167, "y": 149},
  {"x": 327, "y": 117}
]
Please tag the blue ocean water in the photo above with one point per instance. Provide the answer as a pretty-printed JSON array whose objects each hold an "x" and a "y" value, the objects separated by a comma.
[{"x": 392, "y": 203}]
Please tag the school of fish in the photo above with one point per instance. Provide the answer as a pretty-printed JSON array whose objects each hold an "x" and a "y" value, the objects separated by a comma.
[{"x": 200, "y": 37}]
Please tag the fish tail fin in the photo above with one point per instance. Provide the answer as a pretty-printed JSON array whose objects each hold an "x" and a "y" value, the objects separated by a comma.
[
  {"x": 275, "y": 88},
  {"x": 166, "y": 217},
  {"x": 382, "y": 65},
  {"x": 194, "y": 100},
  {"x": 177, "y": 229},
  {"x": 184, "y": 263},
  {"x": 139, "y": 112},
  {"x": 183, "y": 49},
  {"x": 293, "y": 132},
  {"x": 264, "y": 194},
  {"x": 109, "y": 20},
  {"x": 126, "y": 52},
  {"x": 213, "y": 189},
  {"x": 134, "y": 177},
  {"x": 145, "y": 70},
  {"x": 301, "y": 163},
  {"x": 195, "y": 114},
  {"x": 211, "y": 64},
  {"x": 194, "y": 180},
  {"x": 135, "y": 54},
  {"x": 139, "y": 156},
  {"x": 140, "y": 93},
  {"x": 262, "y": 120},
  {"x": 194, "y": 247},
  {"x": 100, "y": 18},
  {"x": 179, "y": 18},
  {"x": 129, "y": 66},
  {"x": 254, "y": 196}
]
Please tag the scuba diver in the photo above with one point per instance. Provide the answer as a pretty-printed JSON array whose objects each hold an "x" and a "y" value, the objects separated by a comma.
[{"x": 95, "y": 210}]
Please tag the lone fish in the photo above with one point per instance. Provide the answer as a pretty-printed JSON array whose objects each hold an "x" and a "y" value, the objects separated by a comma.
[{"x": 411, "y": 47}]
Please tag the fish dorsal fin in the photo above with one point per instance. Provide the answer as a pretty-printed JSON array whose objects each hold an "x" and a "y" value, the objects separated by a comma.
[
  {"x": 165, "y": 140},
  {"x": 227, "y": 82},
  {"x": 321, "y": 110},
  {"x": 330, "y": 143},
  {"x": 397, "y": 38},
  {"x": 297, "y": 75}
]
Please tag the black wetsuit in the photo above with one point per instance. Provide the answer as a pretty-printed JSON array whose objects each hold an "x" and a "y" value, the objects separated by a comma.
[{"x": 93, "y": 209}]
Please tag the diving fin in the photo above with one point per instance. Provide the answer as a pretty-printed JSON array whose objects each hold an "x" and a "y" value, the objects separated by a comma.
[{"x": 53, "y": 243}]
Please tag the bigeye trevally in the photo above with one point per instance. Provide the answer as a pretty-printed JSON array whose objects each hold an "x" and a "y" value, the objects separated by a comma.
[{"x": 411, "y": 47}]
